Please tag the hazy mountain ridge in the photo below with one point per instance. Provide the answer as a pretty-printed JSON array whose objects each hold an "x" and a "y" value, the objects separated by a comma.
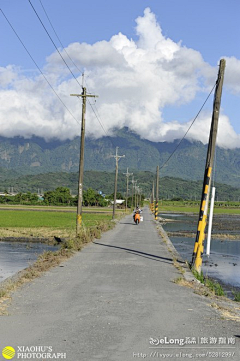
[{"x": 35, "y": 156}]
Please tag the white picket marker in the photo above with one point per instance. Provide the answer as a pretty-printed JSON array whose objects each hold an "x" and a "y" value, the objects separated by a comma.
[{"x": 210, "y": 222}]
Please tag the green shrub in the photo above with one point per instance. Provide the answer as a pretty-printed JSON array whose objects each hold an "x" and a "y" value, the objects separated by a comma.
[{"x": 236, "y": 296}]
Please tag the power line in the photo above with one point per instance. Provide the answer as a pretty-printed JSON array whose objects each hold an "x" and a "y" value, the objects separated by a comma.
[
  {"x": 53, "y": 42},
  {"x": 189, "y": 127},
  {"x": 96, "y": 115},
  {"x": 80, "y": 71},
  {"x": 38, "y": 66}
]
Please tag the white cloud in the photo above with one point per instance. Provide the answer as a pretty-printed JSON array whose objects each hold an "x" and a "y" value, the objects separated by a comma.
[
  {"x": 232, "y": 75},
  {"x": 226, "y": 136},
  {"x": 135, "y": 80},
  {"x": 7, "y": 75}
]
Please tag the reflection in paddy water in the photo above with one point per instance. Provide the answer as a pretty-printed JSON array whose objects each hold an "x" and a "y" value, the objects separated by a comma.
[
  {"x": 15, "y": 256},
  {"x": 224, "y": 260}
]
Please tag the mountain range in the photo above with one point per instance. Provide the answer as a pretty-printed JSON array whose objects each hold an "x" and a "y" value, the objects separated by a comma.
[{"x": 19, "y": 156}]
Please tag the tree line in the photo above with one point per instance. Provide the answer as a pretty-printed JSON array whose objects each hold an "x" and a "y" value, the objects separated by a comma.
[{"x": 61, "y": 196}]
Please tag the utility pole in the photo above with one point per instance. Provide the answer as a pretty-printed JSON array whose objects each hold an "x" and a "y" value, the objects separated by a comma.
[
  {"x": 117, "y": 157},
  {"x": 202, "y": 222},
  {"x": 157, "y": 193},
  {"x": 127, "y": 175},
  {"x": 135, "y": 194},
  {"x": 84, "y": 96},
  {"x": 153, "y": 195},
  {"x": 140, "y": 197},
  {"x": 132, "y": 191}
]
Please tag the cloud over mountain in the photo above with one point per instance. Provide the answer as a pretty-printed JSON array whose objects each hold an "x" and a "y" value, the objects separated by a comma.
[{"x": 135, "y": 81}]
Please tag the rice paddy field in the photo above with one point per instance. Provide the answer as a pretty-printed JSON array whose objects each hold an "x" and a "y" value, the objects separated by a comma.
[{"x": 46, "y": 222}]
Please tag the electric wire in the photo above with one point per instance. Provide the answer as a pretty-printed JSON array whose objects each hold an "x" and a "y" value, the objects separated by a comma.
[
  {"x": 80, "y": 71},
  {"x": 189, "y": 126},
  {"x": 96, "y": 115},
  {"x": 44, "y": 76},
  {"x": 53, "y": 42}
]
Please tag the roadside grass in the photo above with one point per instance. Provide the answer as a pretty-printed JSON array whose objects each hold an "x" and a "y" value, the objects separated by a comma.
[
  {"x": 236, "y": 296},
  {"x": 212, "y": 285}
]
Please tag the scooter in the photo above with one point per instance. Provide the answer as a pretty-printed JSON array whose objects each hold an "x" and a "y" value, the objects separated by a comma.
[{"x": 137, "y": 217}]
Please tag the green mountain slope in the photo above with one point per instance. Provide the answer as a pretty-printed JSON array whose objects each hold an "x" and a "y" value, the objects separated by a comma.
[
  {"x": 104, "y": 181},
  {"x": 36, "y": 156}
]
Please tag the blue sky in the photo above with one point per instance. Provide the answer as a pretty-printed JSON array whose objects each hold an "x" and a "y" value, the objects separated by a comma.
[{"x": 192, "y": 37}]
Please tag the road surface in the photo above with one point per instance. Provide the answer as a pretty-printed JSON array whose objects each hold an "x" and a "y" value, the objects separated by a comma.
[{"x": 116, "y": 301}]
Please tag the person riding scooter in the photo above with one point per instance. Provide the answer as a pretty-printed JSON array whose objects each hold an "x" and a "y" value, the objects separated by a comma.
[{"x": 136, "y": 215}]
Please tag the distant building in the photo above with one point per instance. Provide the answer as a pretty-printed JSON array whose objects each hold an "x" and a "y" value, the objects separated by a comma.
[{"x": 118, "y": 201}]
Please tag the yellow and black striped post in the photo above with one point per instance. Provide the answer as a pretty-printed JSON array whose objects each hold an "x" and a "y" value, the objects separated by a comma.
[
  {"x": 200, "y": 237},
  {"x": 199, "y": 244},
  {"x": 156, "y": 210},
  {"x": 153, "y": 205},
  {"x": 157, "y": 188}
]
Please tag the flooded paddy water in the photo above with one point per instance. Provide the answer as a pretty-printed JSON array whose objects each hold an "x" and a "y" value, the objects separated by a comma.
[
  {"x": 223, "y": 264},
  {"x": 15, "y": 256}
]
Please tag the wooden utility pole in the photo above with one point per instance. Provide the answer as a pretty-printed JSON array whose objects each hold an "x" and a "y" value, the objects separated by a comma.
[
  {"x": 84, "y": 96},
  {"x": 202, "y": 222},
  {"x": 117, "y": 157},
  {"x": 140, "y": 196},
  {"x": 135, "y": 194},
  {"x": 127, "y": 175},
  {"x": 157, "y": 193},
  {"x": 132, "y": 191},
  {"x": 153, "y": 195}
]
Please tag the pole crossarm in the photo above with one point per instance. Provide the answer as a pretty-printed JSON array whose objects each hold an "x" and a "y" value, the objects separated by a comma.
[
  {"x": 84, "y": 95},
  {"x": 116, "y": 156},
  {"x": 127, "y": 174}
]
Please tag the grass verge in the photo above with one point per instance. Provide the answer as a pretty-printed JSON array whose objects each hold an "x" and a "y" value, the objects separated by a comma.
[
  {"x": 212, "y": 285},
  {"x": 236, "y": 296}
]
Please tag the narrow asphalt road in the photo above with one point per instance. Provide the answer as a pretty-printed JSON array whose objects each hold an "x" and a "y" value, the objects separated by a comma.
[{"x": 115, "y": 300}]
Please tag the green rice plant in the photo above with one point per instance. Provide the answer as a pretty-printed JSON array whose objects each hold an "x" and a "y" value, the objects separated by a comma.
[{"x": 56, "y": 219}]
